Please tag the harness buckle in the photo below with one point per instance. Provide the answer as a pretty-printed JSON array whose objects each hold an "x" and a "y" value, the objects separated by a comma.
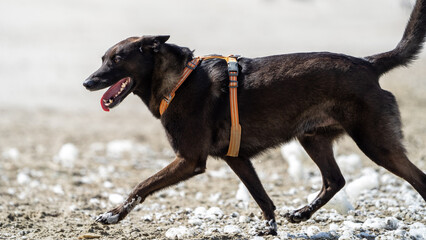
[
  {"x": 233, "y": 68},
  {"x": 236, "y": 56},
  {"x": 167, "y": 98},
  {"x": 191, "y": 65}
]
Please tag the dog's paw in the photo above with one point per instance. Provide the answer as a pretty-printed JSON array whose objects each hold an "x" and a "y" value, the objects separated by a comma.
[
  {"x": 117, "y": 214},
  {"x": 299, "y": 215},
  {"x": 110, "y": 217},
  {"x": 270, "y": 229}
]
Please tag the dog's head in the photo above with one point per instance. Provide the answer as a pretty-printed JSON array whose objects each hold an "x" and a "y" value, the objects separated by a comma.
[{"x": 125, "y": 66}]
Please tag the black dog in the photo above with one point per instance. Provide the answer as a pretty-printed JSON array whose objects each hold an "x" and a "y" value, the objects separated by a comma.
[{"x": 314, "y": 97}]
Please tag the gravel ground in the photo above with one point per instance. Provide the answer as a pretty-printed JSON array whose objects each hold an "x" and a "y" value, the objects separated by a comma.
[{"x": 59, "y": 169}]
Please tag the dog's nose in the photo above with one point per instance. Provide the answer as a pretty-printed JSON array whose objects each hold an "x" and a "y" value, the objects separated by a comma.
[{"x": 89, "y": 83}]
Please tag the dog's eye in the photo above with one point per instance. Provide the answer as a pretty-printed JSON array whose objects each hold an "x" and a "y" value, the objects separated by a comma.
[{"x": 117, "y": 59}]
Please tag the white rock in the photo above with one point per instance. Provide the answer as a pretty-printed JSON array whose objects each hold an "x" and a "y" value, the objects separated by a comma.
[
  {"x": 181, "y": 232},
  {"x": 333, "y": 227},
  {"x": 214, "y": 213},
  {"x": 257, "y": 238},
  {"x": 108, "y": 184},
  {"x": 312, "y": 230},
  {"x": 349, "y": 163},
  {"x": 243, "y": 219},
  {"x": 351, "y": 226},
  {"x": 231, "y": 229},
  {"x": 200, "y": 212},
  {"x": 293, "y": 153},
  {"x": 391, "y": 223},
  {"x": 195, "y": 221},
  {"x": 168, "y": 193},
  {"x": 242, "y": 193},
  {"x": 275, "y": 177},
  {"x": 67, "y": 155},
  {"x": 368, "y": 181},
  {"x": 22, "y": 195},
  {"x": 198, "y": 195},
  {"x": 94, "y": 201},
  {"x": 335, "y": 217},
  {"x": 210, "y": 231},
  {"x": 399, "y": 232},
  {"x": 417, "y": 230},
  {"x": 117, "y": 148},
  {"x": 221, "y": 173},
  {"x": 387, "y": 179},
  {"x": 23, "y": 178},
  {"x": 374, "y": 224},
  {"x": 215, "y": 197},
  {"x": 158, "y": 215},
  {"x": 11, "y": 191},
  {"x": 339, "y": 202},
  {"x": 72, "y": 207},
  {"x": 106, "y": 171},
  {"x": 115, "y": 198},
  {"x": 34, "y": 184},
  {"x": 348, "y": 235},
  {"x": 147, "y": 218},
  {"x": 58, "y": 189},
  {"x": 88, "y": 179},
  {"x": 293, "y": 148},
  {"x": 11, "y": 154},
  {"x": 295, "y": 168}
]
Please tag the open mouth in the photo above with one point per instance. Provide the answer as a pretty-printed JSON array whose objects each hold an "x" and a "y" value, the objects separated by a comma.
[{"x": 116, "y": 93}]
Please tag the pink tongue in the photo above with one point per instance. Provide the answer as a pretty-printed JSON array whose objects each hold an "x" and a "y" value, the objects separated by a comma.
[{"x": 114, "y": 89}]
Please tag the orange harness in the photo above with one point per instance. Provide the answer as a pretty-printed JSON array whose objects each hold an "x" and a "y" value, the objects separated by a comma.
[{"x": 235, "y": 139}]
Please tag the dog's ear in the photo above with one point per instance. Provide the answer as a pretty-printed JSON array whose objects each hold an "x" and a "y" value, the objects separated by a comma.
[
  {"x": 161, "y": 38},
  {"x": 158, "y": 40},
  {"x": 153, "y": 42}
]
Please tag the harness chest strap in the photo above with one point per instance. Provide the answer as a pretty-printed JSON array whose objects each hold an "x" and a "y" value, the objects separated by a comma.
[
  {"x": 235, "y": 135},
  {"x": 188, "y": 69}
]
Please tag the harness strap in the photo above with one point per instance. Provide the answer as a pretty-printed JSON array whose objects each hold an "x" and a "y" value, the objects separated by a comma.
[
  {"x": 235, "y": 140},
  {"x": 188, "y": 69},
  {"x": 235, "y": 135}
]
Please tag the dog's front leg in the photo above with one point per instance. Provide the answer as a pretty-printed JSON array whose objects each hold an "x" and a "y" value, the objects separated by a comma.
[
  {"x": 180, "y": 169},
  {"x": 247, "y": 174}
]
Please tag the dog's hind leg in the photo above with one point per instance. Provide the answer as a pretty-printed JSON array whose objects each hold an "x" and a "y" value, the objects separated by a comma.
[
  {"x": 394, "y": 160},
  {"x": 378, "y": 134},
  {"x": 319, "y": 147},
  {"x": 244, "y": 169},
  {"x": 180, "y": 169}
]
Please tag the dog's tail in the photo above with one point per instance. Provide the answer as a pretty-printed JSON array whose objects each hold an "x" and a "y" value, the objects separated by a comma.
[{"x": 410, "y": 45}]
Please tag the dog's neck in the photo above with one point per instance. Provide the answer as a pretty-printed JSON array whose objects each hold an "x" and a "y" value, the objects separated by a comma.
[{"x": 170, "y": 62}]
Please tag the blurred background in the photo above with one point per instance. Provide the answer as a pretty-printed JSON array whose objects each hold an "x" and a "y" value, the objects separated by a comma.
[
  {"x": 49, "y": 47},
  {"x": 63, "y": 160}
]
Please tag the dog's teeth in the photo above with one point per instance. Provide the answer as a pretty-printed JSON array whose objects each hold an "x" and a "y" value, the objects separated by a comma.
[{"x": 108, "y": 102}]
